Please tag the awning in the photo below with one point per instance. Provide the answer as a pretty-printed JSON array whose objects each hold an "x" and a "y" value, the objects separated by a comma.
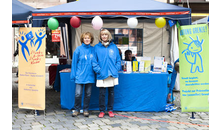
[
  {"x": 114, "y": 8},
  {"x": 20, "y": 12}
]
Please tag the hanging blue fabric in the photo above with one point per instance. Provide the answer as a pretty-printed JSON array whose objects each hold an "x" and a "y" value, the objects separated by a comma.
[{"x": 172, "y": 22}]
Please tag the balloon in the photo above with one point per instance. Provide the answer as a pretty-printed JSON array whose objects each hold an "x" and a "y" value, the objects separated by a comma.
[
  {"x": 53, "y": 23},
  {"x": 160, "y": 22},
  {"x": 75, "y": 22},
  {"x": 97, "y": 22},
  {"x": 132, "y": 22}
]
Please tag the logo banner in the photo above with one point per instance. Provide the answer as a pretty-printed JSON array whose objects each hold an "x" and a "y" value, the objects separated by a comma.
[
  {"x": 194, "y": 67},
  {"x": 31, "y": 85}
]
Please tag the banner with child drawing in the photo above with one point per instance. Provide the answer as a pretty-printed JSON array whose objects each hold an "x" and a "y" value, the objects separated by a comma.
[
  {"x": 31, "y": 85},
  {"x": 194, "y": 67}
]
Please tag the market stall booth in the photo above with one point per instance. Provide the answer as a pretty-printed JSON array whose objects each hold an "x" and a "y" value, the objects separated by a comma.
[
  {"x": 114, "y": 15},
  {"x": 145, "y": 40}
]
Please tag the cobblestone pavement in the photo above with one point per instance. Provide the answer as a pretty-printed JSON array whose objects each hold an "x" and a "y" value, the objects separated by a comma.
[{"x": 60, "y": 119}]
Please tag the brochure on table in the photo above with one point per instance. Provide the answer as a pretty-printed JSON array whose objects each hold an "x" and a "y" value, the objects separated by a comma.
[
  {"x": 147, "y": 64},
  {"x": 158, "y": 62},
  {"x": 128, "y": 65},
  {"x": 144, "y": 65}
]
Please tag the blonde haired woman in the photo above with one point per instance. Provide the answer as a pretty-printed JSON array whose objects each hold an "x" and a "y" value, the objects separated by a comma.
[{"x": 106, "y": 64}]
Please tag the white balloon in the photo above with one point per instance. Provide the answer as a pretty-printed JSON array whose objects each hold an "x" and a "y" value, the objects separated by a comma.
[
  {"x": 132, "y": 22},
  {"x": 97, "y": 22}
]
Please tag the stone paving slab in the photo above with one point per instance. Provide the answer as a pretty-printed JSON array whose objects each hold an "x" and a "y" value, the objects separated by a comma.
[{"x": 60, "y": 119}]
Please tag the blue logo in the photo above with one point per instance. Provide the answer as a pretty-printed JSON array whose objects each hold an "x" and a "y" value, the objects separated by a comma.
[
  {"x": 24, "y": 38},
  {"x": 39, "y": 36},
  {"x": 23, "y": 43},
  {"x": 192, "y": 55}
]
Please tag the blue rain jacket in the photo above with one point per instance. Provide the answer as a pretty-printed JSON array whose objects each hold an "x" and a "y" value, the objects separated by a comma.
[
  {"x": 81, "y": 70},
  {"x": 173, "y": 77},
  {"x": 106, "y": 61}
]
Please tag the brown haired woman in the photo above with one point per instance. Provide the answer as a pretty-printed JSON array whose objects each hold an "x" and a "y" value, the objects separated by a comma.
[{"x": 82, "y": 73}]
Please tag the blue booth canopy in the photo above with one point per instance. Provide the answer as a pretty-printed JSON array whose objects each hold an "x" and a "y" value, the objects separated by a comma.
[
  {"x": 114, "y": 8},
  {"x": 20, "y": 12}
]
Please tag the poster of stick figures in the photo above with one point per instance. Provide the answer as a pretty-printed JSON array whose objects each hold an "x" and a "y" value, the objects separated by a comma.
[
  {"x": 31, "y": 85},
  {"x": 194, "y": 67}
]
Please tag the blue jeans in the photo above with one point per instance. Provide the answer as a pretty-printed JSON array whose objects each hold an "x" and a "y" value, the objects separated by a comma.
[
  {"x": 102, "y": 92},
  {"x": 78, "y": 96}
]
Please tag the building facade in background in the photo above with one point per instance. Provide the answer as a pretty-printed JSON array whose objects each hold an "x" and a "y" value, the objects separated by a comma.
[{"x": 199, "y": 8}]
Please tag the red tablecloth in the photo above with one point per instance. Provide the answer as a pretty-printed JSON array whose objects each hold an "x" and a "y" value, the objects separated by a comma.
[{"x": 52, "y": 73}]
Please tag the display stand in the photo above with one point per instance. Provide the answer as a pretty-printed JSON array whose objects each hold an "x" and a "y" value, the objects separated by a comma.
[
  {"x": 36, "y": 112},
  {"x": 193, "y": 116}
]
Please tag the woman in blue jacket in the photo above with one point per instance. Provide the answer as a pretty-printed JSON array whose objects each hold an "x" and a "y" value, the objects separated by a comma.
[
  {"x": 106, "y": 64},
  {"x": 82, "y": 73}
]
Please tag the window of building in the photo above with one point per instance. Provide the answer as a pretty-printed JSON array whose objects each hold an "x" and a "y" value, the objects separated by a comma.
[{"x": 128, "y": 39}]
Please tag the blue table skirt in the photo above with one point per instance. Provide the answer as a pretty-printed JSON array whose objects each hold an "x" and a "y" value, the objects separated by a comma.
[
  {"x": 135, "y": 92},
  {"x": 56, "y": 85}
]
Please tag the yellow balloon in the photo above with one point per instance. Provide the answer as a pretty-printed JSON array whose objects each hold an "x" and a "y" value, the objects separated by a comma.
[{"x": 160, "y": 22}]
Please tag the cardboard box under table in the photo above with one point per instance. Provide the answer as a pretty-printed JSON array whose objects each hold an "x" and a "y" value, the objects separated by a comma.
[{"x": 135, "y": 92}]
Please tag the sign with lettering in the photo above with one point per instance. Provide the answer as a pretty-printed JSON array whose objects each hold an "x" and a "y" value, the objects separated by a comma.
[
  {"x": 56, "y": 35},
  {"x": 31, "y": 85},
  {"x": 194, "y": 67}
]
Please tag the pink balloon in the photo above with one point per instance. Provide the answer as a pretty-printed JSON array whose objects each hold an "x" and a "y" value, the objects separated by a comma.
[
  {"x": 75, "y": 22},
  {"x": 97, "y": 22}
]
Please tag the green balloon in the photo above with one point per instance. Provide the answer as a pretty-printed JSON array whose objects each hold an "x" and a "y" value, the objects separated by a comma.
[{"x": 53, "y": 23}]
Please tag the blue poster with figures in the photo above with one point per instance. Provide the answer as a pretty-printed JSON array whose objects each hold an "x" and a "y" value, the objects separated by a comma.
[{"x": 31, "y": 85}]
